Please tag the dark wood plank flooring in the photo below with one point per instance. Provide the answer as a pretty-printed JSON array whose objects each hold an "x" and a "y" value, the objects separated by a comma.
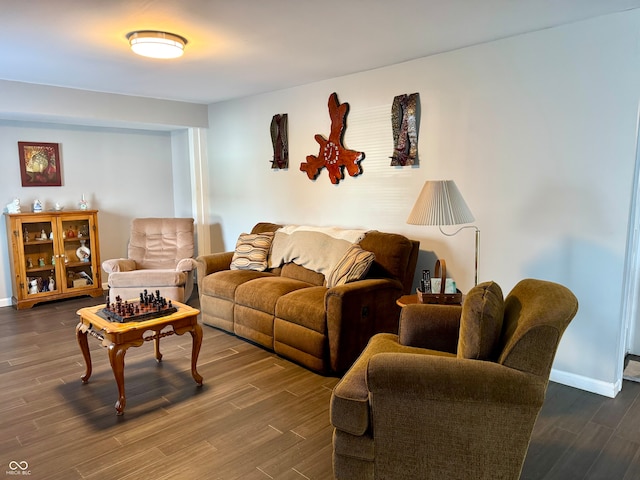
[{"x": 257, "y": 416}]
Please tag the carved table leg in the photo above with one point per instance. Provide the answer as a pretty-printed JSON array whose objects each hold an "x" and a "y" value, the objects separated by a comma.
[
  {"x": 81, "y": 336},
  {"x": 156, "y": 344},
  {"x": 116, "y": 357},
  {"x": 196, "y": 335}
]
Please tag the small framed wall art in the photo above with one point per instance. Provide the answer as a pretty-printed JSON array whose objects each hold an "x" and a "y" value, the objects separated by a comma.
[{"x": 40, "y": 164}]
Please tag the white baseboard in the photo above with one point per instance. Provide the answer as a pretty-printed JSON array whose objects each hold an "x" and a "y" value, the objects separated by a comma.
[
  {"x": 5, "y": 302},
  {"x": 585, "y": 383}
]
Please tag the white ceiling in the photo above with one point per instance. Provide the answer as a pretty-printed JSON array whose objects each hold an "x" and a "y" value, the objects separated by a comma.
[{"x": 243, "y": 47}]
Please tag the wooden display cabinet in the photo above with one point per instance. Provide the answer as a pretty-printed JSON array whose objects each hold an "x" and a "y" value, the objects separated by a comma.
[{"x": 53, "y": 255}]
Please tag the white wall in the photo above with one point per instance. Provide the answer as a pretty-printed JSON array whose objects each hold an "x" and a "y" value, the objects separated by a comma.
[{"x": 538, "y": 131}]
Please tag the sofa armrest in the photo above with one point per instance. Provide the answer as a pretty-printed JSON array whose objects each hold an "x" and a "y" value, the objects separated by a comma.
[
  {"x": 435, "y": 327},
  {"x": 214, "y": 262},
  {"x": 355, "y": 312},
  {"x": 119, "y": 265}
]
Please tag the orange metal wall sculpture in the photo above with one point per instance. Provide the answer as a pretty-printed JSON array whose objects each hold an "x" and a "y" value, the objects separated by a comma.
[{"x": 333, "y": 154}]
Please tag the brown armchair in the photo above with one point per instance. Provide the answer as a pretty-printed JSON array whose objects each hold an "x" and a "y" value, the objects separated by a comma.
[
  {"x": 457, "y": 392},
  {"x": 160, "y": 255}
]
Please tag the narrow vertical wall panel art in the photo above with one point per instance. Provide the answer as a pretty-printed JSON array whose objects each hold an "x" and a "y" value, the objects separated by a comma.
[
  {"x": 404, "y": 122},
  {"x": 333, "y": 154},
  {"x": 279, "y": 140}
]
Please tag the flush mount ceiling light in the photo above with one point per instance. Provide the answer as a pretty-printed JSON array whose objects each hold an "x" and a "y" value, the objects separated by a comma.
[{"x": 154, "y": 44}]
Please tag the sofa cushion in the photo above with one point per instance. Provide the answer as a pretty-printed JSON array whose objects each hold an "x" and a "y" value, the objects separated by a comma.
[
  {"x": 262, "y": 293},
  {"x": 298, "y": 272},
  {"x": 304, "y": 307},
  {"x": 223, "y": 284},
  {"x": 160, "y": 242},
  {"x": 481, "y": 322},
  {"x": 392, "y": 253},
  {"x": 149, "y": 278},
  {"x": 353, "y": 265},
  {"x": 252, "y": 250}
]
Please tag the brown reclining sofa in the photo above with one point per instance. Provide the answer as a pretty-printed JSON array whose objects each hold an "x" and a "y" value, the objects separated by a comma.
[{"x": 289, "y": 309}]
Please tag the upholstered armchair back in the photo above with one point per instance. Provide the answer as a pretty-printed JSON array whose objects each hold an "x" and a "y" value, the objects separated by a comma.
[
  {"x": 160, "y": 242},
  {"x": 531, "y": 330}
]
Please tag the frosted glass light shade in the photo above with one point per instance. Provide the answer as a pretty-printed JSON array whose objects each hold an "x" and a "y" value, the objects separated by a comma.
[
  {"x": 440, "y": 203},
  {"x": 150, "y": 43}
]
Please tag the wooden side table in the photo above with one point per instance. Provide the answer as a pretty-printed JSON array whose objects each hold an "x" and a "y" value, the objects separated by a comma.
[
  {"x": 118, "y": 337},
  {"x": 407, "y": 300},
  {"x": 411, "y": 299}
]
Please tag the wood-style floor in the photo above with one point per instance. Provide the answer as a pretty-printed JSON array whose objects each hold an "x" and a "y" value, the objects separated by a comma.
[{"x": 257, "y": 416}]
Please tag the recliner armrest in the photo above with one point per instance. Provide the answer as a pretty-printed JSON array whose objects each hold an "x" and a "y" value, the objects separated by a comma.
[
  {"x": 186, "y": 265},
  {"x": 119, "y": 265},
  {"x": 435, "y": 327}
]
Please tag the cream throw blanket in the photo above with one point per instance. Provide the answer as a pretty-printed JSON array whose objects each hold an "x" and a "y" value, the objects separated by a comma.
[{"x": 315, "y": 248}]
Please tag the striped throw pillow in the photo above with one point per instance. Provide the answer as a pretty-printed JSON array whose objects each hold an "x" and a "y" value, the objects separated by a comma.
[
  {"x": 252, "y": 250},
  {"x": 353, "y": 265}
]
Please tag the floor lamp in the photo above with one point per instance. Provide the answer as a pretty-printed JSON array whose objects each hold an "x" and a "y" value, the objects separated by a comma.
[{"x": 440, "y": 203}]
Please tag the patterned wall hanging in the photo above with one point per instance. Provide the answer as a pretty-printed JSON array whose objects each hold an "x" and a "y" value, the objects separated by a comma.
[
  {"x": 333, "y": 154},
  {"x": 404, "y": 122},
  {"x": 279, "y": 141}
]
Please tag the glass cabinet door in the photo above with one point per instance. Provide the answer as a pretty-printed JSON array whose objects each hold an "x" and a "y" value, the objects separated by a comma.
[
  {"x": 40, "y": 256},
  {"x": 76, "y": 234}
]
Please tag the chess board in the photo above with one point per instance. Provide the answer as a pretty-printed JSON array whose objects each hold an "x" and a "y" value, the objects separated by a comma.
[{"x": 146, "y": 308}]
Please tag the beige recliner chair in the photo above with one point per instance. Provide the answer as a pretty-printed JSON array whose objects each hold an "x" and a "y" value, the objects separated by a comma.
[
  {"x": 160, "y": 257},
  {"x": 456, "y": 393}
]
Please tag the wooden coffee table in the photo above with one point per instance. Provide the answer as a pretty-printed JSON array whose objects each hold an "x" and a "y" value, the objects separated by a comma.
[{"x": 118, "y": 337}]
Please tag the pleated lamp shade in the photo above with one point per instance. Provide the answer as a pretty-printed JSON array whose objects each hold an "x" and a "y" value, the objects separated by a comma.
[{"x": 440, "y": 203}]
